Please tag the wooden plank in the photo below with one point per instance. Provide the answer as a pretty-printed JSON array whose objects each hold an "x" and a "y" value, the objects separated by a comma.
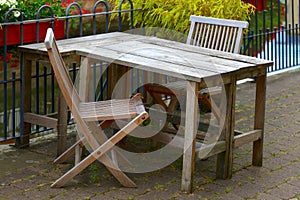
[
  {"x": 147, "y": 64},
  {"x": 84, "y": 79},
  {"x": 247, "y": 137},
  {"x": 26, "y": 100},
  {"x": 115, "y": 79},
  {"x": 259, "y": 119},
  {"x": 227, "y": 119},
  {"x": 172, "y": 140},
  {"x": 62, "y": 120},
  {"x": 210, "y": 149},
  {"x": 41, "y": 120},
  {"x": 176, "y": 56},
  {"x": 69, "y": 152},
  {"x": 223, "y": 22},
  {"x": 202, "y": 151},
  {"x": 251, "y": 73},
  {"x": 190, "y": 137},
  {"x": 208, "y": 52},
  {"x": 71, "y": 45}
]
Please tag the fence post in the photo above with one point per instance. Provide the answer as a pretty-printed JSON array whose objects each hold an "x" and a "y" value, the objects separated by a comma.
[{"x": 292, "y": 12}]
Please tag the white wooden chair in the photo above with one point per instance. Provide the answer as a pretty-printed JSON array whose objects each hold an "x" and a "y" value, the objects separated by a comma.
[
  {"x": 219, "y": 34},
  {"x": 213, "y": 33},
  {"x": 87, "y": 116}
]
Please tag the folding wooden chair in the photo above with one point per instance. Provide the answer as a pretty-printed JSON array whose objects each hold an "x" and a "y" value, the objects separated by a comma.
[
  {"x": 213, "y": 33},
  {"x": 87, "y": 116}
]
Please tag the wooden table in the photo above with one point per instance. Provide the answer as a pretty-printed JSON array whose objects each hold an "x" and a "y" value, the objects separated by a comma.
[{"x": 191, "y": 63}]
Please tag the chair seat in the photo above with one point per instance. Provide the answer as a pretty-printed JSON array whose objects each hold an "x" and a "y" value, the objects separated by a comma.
[{"x": 108, "y": 110}]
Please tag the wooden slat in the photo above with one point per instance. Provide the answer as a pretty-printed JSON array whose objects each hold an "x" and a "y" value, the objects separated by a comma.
[
  {"x": 213, "y": 43},
  {"x": 177, "y": 56},
  {"x": 206, "y": 151},
  {"x": 148, "y": 64},
  {"x": 68, "y": 153},
  {"x": 189, "y": 137},
  {"x": 227, "y": 33},
  {"x": 211, "y": 20},
  {"x": 62, "y": 120},
  {"x": 245, "y": 138},
  {"x": 173, "y": 140},
  {"x": 71, "y": 45},
  {"x": 206, "y": 36},
  {"x": 259, "y": 119},
  {"x": 210, "y": 52},
  {"x": 234, "y": 41},
  {"x": 40, "y": 120},
  {"x": 227, "y": 119}
]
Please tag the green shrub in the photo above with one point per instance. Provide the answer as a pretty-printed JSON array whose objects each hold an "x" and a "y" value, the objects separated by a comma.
[{"x": 174, "y": 14}]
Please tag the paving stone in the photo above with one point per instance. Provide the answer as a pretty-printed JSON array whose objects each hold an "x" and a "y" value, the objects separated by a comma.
[
  {"x": 227, "y": 183},
  {"x": 101, "y": 197},
  {"x": 281, "y": 193},
  {"x": 204, "y": 194},
  {"x": 118, "y": 194},
  {"x": 159, "y": 195},
  {"x": 268, "y": 181},
  {"x": 216, "y": 188},
  {"x": 264, "y": 196},
  {"x": 247, "y": 190},
  {"x": 230, "y": 196},
  {"x": 295, "y": 181}
]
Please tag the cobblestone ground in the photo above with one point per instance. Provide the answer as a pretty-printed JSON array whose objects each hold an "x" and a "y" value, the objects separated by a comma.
[{"x": 28, "y": 173}]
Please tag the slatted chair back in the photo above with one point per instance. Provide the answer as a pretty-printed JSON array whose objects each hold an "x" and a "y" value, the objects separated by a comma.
[
  {"x": 219, "y": 34},
  {"x": 66, "y": 86},
  {"x": 61, "y": 73}
]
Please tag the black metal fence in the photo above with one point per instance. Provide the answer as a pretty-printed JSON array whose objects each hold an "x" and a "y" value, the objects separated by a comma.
[{"x": 273, "y": 35}]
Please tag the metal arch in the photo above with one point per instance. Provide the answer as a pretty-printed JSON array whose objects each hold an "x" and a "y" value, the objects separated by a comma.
[
  {"x": 94, "y": 16},
  {"x": 10, "y": 11},
  {"x": 44, "y": 7},
  {"x": 131, "y": 14},
  {"x": 67, "y": 18}
]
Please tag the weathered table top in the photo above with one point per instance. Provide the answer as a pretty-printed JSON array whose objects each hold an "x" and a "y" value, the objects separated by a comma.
[{"x": 156, "y": 55}]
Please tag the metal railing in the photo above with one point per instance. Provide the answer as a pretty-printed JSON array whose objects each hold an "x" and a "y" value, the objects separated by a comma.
[{"x": 274, "y": 33}]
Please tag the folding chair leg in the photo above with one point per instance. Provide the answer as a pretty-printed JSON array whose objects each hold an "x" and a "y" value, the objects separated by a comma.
[
  {"x": 100, "y": 151},
  {"x": 69, "y": 152},
  {"x": 215, "y": 109},
  {"x": 171, "y": 109},
  {"x": 78, "y": 154}
]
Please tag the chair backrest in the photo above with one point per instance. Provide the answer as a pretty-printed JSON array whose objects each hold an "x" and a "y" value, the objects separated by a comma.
[
  {"x": 65, "y": 84},
  {"x": 213, "y": 33},
  {"x": 61, "y": 72},
  {"x": 68, "y": 90}
]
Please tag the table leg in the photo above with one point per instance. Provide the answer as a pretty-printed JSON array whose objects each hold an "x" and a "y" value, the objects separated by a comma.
[
  {"x": 25, "y": 101},
  {"x": 190, "y": 137},
  {"x": 115, "y": 73},
  {"x": 62, "y": 120},
  {"x": 225, "y": 159},
  {"x": 259, "y": 119}
]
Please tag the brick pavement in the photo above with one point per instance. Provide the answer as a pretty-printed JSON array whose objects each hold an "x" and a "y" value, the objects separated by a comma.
[{"x": 28, "y": 173}]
